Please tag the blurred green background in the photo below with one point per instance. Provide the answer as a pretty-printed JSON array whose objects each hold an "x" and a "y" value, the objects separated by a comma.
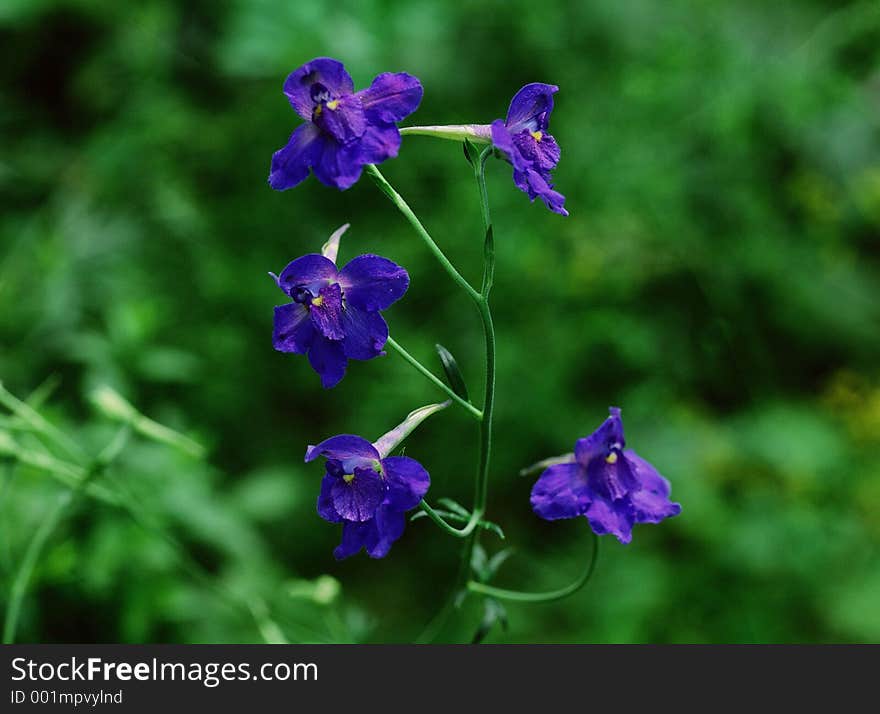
[{"x": 718, "y": 279}]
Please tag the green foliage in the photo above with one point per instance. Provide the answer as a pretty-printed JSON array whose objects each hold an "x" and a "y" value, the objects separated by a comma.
[{"x": 717, "y": 278}]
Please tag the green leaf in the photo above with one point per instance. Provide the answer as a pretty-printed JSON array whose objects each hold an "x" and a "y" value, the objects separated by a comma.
[
  {"x": 478, "y": 561},
  {"x": 448, "y": 515},
  {"x": 496, "y": 561},
  {"x": 454, "y": 506},
  {"x": 541, "y": 465},
  {"x": 471, "y": 152},
  {"x": 493, "y": 527},
  {"x": 453, "y": 373},
  {"x": 493, "y": 613},
  {"x": 462, "y": 516}
]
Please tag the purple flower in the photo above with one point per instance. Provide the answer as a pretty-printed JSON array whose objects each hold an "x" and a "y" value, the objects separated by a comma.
[
  {"x": 345, "y": 129},
  {"x": 613, "y": 488},
  {"x": 367, "y": 493},
  {"x": 334, "y": 315},
  {"x": 524, "y": 139}
]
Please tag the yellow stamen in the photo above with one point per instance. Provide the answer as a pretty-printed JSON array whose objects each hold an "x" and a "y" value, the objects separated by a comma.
[
  {"x": 611, "y": 458},
  {"x": 318, "y": 110},
  {"x": 333, "y": 104},
  {"x": 318, "y": 301},
  {"x": 348, "y": 478},
  {"x": 537, "y": 135}
]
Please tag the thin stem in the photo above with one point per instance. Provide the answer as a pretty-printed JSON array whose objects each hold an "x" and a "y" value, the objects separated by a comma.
[
  {"x": 65, "y": 473},
  {"x": 470, "y": 531},
  {"x": 402, "y": 206},
  {"x": 35, "y": 421},
  {"x": 462, "y": 532},
  {"x": 481, "y": 485},
  {"x": 481, "y": 490},
  {"x": 518, "y": 596},
  {"x": 472, "y": 410}
]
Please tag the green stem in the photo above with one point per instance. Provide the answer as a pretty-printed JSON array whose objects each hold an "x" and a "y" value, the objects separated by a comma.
[
  {"x": 462, "y": 532},
  {"x": 472, "y": 410},
  {"x": 65, "y": 473},
  {"x": 481, "y": 486},
  {"x": 35, "y": 421},
  {"x": 489, "y": 248},
  {"x": 469, "y": 532},
  {"x": 402, "y": 206},
  {"x": 518, "y": 596}
]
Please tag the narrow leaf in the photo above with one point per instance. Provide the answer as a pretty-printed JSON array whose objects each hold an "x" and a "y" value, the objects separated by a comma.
[
  {"x": 493, "y": 613},
  {"x": 448, "y": 515},
  {"x": 493, "y": 527},
  {"x": 471, "y": 153},
  {"x": 497, "y": 560},
  {"x": 478, "y": 561},
  {"x": 453, "y": 373},
  {"x": 541, "y": 465},
  {"x": 454, "y": 506}
]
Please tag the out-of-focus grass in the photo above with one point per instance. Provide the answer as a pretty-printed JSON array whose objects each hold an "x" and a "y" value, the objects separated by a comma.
[{"x": 717, "y": 278}]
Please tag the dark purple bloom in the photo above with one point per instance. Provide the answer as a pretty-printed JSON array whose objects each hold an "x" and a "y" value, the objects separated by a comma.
[
  {"x": 367, "y": 493},
  {"x": 345, "y": 129},
  {"x": 613, "y": 488},
  {"x": 334, "y": 315},
  {"x": 523, "y": 137}
]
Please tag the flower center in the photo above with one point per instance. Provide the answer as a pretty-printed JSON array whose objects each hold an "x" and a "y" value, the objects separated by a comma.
[
  {"x": 537, "y": 135},
  {"x": 332, "y": 105},
  {"x": 301, "y": 295},
  {"x": 319, "y": 93},
  {"x": 304, "y": 296},
  {"x": 613, "y": 453},
  {"x": 348, "y": 478}
]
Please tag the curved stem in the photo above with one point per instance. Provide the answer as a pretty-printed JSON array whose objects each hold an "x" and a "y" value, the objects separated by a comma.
[
  {"x": 472, "y": 410},
  {"x": 462, "y": 532},
  {"x": 518, "y": 596},
  {"x": 402, "y": 206}
]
